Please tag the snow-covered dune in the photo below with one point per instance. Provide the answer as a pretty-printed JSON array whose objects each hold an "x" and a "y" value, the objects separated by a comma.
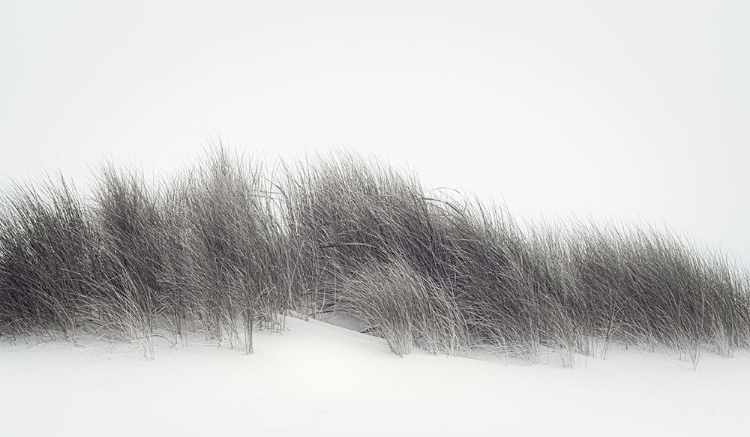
[{"x": 319, "y": 379}]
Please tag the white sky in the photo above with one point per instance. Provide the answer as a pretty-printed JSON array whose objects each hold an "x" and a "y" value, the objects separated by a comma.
[{"x": 635, "y": 110}]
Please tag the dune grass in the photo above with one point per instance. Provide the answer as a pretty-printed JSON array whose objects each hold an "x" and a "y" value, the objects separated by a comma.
[
  {"x": 48, "y": 262},
  {"x": 232, "y": 245}
]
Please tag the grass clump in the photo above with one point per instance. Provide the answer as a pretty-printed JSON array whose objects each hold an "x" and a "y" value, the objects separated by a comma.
[
  {"x": 48, "y": 259},
  {"x": 649, "y": 287},
  {"x": 201, "y": 252},
  {"x": 230, "y": 245},
  {"x": 233, "y": 252},
  {"x": 404, "y": 307},
  {"x": 573, "y": 289}
]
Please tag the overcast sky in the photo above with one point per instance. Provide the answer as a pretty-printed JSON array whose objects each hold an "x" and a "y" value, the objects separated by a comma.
[{"x": 637, "y": 110}]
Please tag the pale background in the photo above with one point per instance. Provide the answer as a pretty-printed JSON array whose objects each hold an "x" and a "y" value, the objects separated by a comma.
[{"x": 632, "y": 110}]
